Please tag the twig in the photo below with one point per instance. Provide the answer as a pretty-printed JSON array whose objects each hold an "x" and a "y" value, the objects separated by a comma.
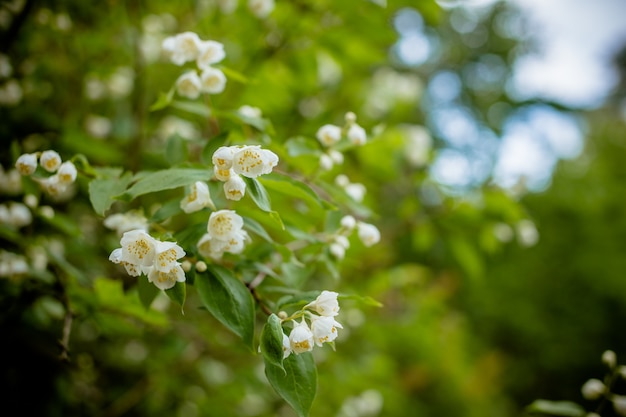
[{"x": 65, "y": 338}]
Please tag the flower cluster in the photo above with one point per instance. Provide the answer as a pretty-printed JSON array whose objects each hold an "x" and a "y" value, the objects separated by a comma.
[
  {"x": 12, "y": 264},
  {"x": 186, "y": 47},
  {"x": 141, "y": 253},
  {"x": 224, "y": 234},
  {"x": 329, "y": 135},
  {"x": 367, "y": 233},
  {"x": 229, "y": 162},
  {"x": 323, "y": 328},
  {"x": 64, "y": 173}
]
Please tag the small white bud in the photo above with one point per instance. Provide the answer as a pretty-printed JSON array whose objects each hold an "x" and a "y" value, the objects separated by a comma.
[
  {"x": 337, "y": 250},
  {"x": 201, "y": 266},
  {"x": 336, "y": 156},
  {"x": 368, "y": 233},
  {"x": 31, "y": 200},
  {"x": 348, "y": 222},
  {"x": 46, "y": 211},
  {"x": 328, "y": 135},
  {"x": 609, "y": 358},
  {"x": 326, "y": 162},
  {"x": 186, "y": 265},
  {"x": 593, "y": 389},
  {"x": 356, "y": 135},
  {"x": 350, "y": 118}
]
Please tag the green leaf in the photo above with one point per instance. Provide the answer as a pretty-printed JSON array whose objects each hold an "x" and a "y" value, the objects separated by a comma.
[
  {"x": 272, "y": 341},
  {"x": 228, "y": 300},
  {"x": 166, "y": 180},
  {"x": 297, "y": 384},
  {"x": 363, "y": 299},
  {"x": 102, "y": 191},
  {"x": 178, "y": 294},
  {"x": 147, "y": 291},
  {"x": 167, "y": 210},
  {"x": 258, "y": 193},
  {"x": 256, "y": 228},
  {"x": 234, "y": 75},
  {"x": 556, "y": 408},
  {"x": 193, "y": 107},
  {"x": 293, "y": 188},
  {"x": 163, "y": 101},
  {"x": 176, "y": 150},
  {"x": 212, "y": 145},
  {"x": 300, "y": 145}
]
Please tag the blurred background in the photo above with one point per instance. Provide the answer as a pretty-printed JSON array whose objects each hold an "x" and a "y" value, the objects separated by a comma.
[{"x": 498, "y": 133}]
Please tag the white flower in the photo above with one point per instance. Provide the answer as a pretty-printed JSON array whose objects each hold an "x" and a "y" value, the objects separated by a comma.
[
  {"x": 326, "y": 162},
  {"x": 166, "y": 279},
  {"x": 527, "y": 233},
  {"x": 214, "y": 248},
  {"x": 324, "y": 329},
  {"x": 210, "y": 52},
  {"x": 261, "y": 8},
  {"x": 166, "y": 254},
  {"x": 212, "y": 80},
  {"x": 328, "y": 135},
  {"x": 50, "y": 160},
  {"x": 286, "y": 346},
  {"x": 223, "y": 174},
  {"x": 131, "y": 269},
  {"x": 593, "y": 389},
  {"x": 53, "y": 186},
  {"x": 198, "y": 198},
  {"x": 223, "y": 157},
  {"x": 185, "y": 47},
  {"x": 356, "y": 191},
  {"x": 124, "y": 222},
  {"x": 67, "y": 173},
  {"x": 325, "y": 304},
  {"x": 342, "y": 181},
  {"x": 235, "y": 188},
  {"x": 138, "y": 248},
  {"x": 98, "y": 126},
  {"x": 224, "y": 224},
  {"x": 342, "y": 241},
  {"x": 348, "y": 222},
  {"x": 356, "y": 135},
  {"x": 189, "y": 85},
  {"x": 368, "y": 233},
  {"x": 301, "y": 338},
  {"x": 336, "y": 156},
  {"x": 250, "y": 111},
  {"x": 168, "y": 46},
  {"x": 609, "y": 358},
  {"x": 338, "y": 251},
  {"x": 26, "y": 164},
  {"x": 252, "y": 161},
  {"x": 19, "y": 215}
]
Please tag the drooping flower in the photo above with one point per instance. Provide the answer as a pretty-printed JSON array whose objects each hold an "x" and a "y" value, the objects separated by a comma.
[
  {"x": 166, "y": 279},
  {"x": 325, "y": 304},
  {"x": 348, "y": 222},
  {"x": 301, "y": 338},
  {"x": 235, "y": 188},
  {"x": 198, "y": 198},
  {"x": 223, "y": 174},
  {"x": 125, "y": 222},
  {"x": 67, "y": 173},
  {"x": 50, "y": 160},
  {"x": 356, "y": 134},
  {"x": 252, "y": 161},
  {"x": 324, "y": 329},
  {"x": 212, "y": 80},
  {"x": 368, "y": 233},
  {"x": 328, "y": 134},
  {"x": 210, "y": 52},
  {"x": 189, "y": 85},
  {"x": 223, "y": 157},
  {"x": 26, "y": 164},
  {"x": 224, "y": 224}
]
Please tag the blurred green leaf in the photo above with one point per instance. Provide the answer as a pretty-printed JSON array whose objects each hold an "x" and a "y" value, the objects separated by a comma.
[
  {"x": 291, "y": 187},
  {"x": 164, "y": 100},
  {"x": 228, "y": 300},
  {"x": 272, "y": 341},
  {"x": 297, "y": 383},
  {"x": 258, "y": 193},
  {"x": 176, "y": 150},
  {"x": 556, "y": 408},
  {"x": 193, "y": 107}
]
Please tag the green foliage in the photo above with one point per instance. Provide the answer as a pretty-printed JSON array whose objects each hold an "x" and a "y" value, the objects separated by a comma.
[{"x": 295, "y": 381}]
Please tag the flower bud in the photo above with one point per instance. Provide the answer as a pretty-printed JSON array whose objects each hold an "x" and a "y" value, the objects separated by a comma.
[
  {"x": 235, "y": 188},
  {"x": 593, "y": 389},
  {"x": 368, "y": 233},
  {"x": 350, "y": 117},
  {"x": 201, "y": 266},
  {"x": 609, "y": 358},
  {"x": 348, "y": 222},
  {"x": 619, "y": 404},
  {"x": 356, "y": 135},
  {"x": 186, "y": 265},
  {"x": 67, "y": 173}
]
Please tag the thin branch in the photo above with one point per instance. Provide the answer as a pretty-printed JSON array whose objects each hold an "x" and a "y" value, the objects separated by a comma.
[{"x": 65, "y": 338}]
